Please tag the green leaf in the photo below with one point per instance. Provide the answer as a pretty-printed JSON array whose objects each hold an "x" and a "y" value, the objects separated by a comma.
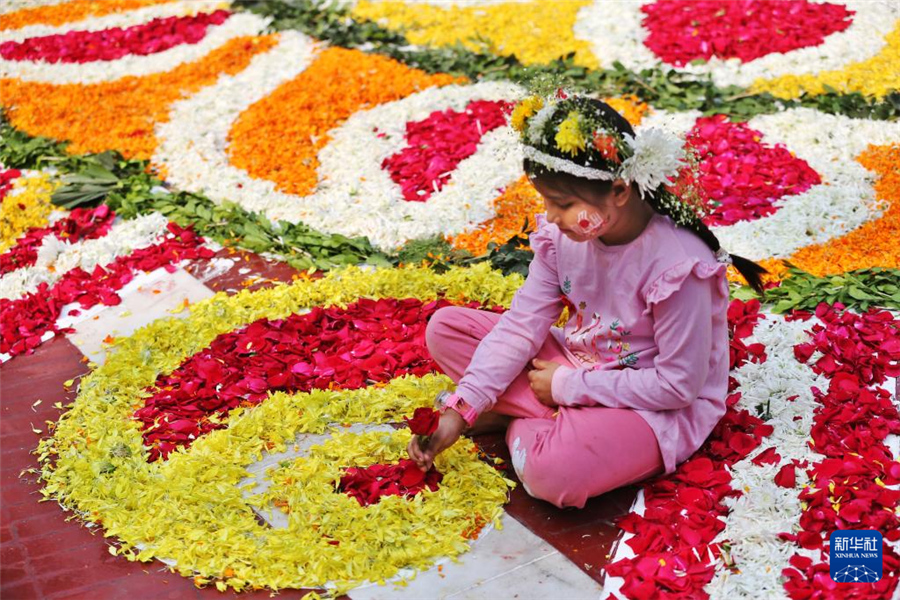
[
  {"x": 783, "y": 306},
  {"x": 743, "y": 292},
  {"x": 858, "y": 294}
]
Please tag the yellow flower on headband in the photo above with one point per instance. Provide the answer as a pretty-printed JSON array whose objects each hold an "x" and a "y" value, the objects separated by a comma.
[
  {"x": 569, "y": 137},
  {"x": 524, "y": 110}
]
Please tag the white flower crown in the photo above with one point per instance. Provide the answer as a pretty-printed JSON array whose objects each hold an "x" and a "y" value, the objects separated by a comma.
[{"x": 651, "y": 157}]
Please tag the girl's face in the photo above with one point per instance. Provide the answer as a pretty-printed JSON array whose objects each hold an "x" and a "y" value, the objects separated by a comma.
[{"x": 578, "y": 219}]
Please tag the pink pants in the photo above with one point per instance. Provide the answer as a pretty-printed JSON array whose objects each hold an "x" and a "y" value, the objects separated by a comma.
[{"x": 564, "y": 459}]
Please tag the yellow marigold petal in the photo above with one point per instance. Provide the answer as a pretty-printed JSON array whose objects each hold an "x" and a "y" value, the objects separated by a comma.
[
  {"x": 523, "y": 110},
  {"x": 535, "y": 32},
  {"x": 569, "y": 137},
  {"x": 120, "y": 115},
  {"x": 279, "y": 137},
  {"x": 28, "y": 205},
  {"x": 877, "y": 76}
]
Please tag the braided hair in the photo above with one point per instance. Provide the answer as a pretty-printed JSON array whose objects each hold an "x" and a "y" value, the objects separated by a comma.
[{"x": 586, "y": 188}]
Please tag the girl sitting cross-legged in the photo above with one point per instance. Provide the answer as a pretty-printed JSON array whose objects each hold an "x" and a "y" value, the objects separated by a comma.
[{"x": 636, "y": 380}]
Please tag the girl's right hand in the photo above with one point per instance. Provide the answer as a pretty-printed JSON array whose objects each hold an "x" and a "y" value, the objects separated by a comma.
[{"x": 448, "y": 431}]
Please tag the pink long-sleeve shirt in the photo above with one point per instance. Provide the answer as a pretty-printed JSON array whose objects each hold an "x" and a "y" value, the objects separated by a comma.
[{"x": 647, "y": 330}]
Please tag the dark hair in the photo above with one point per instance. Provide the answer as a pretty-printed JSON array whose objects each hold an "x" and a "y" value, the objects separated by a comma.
[{"x": 585, "y": 188}]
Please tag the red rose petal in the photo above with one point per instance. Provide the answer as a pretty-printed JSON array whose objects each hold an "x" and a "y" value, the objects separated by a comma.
[
  {"x": 786, "y": 477},
  {"x": 740, "y": 177},
  {"x": 438, "y": 143},
  {"x": 114, "y": 43},
  {"x": 424, "y": 421},
  {"x": 684, "y": 30}
]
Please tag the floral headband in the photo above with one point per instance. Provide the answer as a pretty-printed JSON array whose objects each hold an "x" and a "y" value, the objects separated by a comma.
[
  {"x": 565, "y": 134},
  {"x": 570, "y": 135}
]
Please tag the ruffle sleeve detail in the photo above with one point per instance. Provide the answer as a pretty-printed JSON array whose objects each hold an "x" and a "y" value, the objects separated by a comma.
[
  {"x": 672, "y": 279},
  {"x": 541, "y": 239}
]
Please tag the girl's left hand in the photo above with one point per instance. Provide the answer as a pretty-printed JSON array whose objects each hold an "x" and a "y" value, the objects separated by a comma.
[{"x": 541, "y": 378}]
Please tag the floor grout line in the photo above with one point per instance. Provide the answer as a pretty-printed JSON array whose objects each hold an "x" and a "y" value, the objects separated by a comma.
[{"x": 503, "y": 574}]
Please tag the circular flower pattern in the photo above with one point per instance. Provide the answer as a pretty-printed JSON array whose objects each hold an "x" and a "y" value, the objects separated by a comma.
[
  {"x": 369, "y": 342},
  {"x": 626, "y": 34},
  {"x": 96, "y": 462},
  {"x": 827, "y": 145},
  {"x": 352, "y": 193},
  {"x": 158, "y": 445}
]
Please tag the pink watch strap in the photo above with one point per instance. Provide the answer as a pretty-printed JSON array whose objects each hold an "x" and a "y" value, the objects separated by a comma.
[{"x": 463, "y": 408}]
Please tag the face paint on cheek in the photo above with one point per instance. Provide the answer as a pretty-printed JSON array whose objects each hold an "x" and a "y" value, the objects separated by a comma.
[{"x": 589, "y": 223}]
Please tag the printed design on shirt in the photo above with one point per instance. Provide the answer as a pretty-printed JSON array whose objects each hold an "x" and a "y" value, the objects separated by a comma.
[
  {"x": 595, "y": 342},
  {"x": 567, "y": 286}
]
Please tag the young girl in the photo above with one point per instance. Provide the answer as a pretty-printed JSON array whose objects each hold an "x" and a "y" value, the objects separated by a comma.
[{"x": 636, "y": 380}]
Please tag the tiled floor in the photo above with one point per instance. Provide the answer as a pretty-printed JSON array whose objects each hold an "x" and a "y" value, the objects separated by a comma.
[{"x": 542, "y": 552}]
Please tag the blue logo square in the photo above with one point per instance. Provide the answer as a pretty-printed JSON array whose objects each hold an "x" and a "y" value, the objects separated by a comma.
[{"x": 855, "y": 556}]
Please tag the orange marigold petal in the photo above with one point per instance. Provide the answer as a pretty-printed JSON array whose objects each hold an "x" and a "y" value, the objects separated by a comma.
[
  {"x": 120, "y": 115},
  {"x": 775, "y": 267},
  {"x": 875, "y": 243},
  {"x": 517, "y": 202},
  {"x": 630, "y": 107},
  {"x": 59, "y": 14},
  {"x": 279, "y": 137}
]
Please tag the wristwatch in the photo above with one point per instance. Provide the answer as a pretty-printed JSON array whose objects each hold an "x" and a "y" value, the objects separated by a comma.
[{"x": 447, "y": 400}]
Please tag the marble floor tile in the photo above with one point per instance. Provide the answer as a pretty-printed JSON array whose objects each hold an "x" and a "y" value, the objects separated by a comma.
[
  {"x": 147, "y": 298},
  {"x": 301, "y": 445},
  {"x": 510, "y": 562}
]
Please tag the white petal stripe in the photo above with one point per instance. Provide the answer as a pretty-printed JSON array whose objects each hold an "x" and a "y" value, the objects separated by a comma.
[
  {"x": 122, "y": 19},
  {"x": 764, "y": 509},
  {"x": 355, "y": 197},
  {"x": 830, "y": 144},
  {"x": 123, "y": 238},
  {"x": 615, "y": 31},
  {"x": 237, "y": 25}
]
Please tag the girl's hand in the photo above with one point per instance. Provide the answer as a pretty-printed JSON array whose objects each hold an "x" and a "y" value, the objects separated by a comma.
[
  {"x": 448, "y": 431},
  {"x": 541, "y": 378}
]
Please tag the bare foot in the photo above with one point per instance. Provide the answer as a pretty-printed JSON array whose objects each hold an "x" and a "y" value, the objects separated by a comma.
[{"x": 488, "y": 422}]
